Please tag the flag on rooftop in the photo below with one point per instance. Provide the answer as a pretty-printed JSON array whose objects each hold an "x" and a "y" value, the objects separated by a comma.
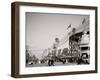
[
  {"x": 69, "y": 26},
  {"x": 84, "y": 20}
]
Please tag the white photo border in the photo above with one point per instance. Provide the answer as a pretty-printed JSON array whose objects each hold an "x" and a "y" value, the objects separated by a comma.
[{"x": 54, "y": 69}]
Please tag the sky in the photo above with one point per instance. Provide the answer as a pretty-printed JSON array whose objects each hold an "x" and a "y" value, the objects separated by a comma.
[{"x": 42, "y": 28}]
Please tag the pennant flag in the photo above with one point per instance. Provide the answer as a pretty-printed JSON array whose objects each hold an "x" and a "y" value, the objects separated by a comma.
[
  {"x": 69, "y": 26},
  {"x": 84, "y": 20}
]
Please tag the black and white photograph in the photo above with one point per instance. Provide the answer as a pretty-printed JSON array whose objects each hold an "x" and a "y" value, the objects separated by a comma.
[
  {"x": 57, "y": 39},
  {"x": 52, "y": 39}
]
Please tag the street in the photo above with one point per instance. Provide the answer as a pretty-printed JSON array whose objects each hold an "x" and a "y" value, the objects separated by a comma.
[{"x": 46, "y": 64}]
